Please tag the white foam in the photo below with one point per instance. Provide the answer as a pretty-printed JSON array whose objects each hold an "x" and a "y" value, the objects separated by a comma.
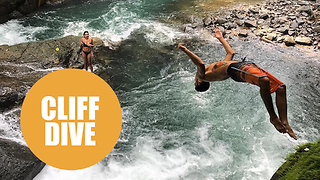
[
  {"x": 13, "y": 32},
  {"x": 10, "y": 126},
  {"x": 76, "y": 28},
  {"x": 148, "y": 160}
]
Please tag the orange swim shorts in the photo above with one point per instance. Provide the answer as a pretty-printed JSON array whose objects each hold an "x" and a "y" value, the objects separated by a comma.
[{"x": 251, "y": 73}]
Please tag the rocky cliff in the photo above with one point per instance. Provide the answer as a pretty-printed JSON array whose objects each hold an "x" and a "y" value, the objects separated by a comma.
[{"x": 17, "y": 161}]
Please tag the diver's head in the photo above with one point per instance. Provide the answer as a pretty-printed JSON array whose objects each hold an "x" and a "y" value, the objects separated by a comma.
[
  {"x": 86, "y": 34},
  {"x": 202, "y": 86}
]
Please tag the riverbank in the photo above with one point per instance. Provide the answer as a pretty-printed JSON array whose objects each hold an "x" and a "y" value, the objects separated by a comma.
[{"x": 275, "y": 21}]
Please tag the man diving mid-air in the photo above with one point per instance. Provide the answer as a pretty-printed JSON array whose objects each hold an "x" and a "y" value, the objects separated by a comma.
[{"x": 244, "y": 72}]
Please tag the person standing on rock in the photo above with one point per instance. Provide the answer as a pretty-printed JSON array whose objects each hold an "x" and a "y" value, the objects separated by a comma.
[
  {"x": 86, "y": 45},
  {"x": 244, "y": 72}
]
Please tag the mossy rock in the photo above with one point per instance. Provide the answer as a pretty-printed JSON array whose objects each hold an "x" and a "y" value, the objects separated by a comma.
[{"x": 304, "y": 164}]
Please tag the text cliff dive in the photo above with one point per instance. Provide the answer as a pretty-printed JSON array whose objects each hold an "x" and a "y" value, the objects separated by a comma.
[{"x": 53, "y": 109}]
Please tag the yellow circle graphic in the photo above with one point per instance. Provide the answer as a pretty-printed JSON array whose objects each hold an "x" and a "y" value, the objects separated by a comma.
[{"x": 71, "y": 119}]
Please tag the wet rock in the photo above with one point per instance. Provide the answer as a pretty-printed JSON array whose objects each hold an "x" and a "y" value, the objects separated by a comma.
[
  {"x": 280, "y": 39},
  {"x": 260, "y": 21},
  {"x": 254, "y": 10},
  {"x": 27, "y": 6},
  {"x": 188, "y": 28},
  {"x": 283, "y": 30},
  {"x": 294, "y": 25},
  {"x": 305, "y": 9},
  {"x": 300, "y": 21},
  {"x": 316, "y": 29},
  {"x": 207, "y": 21},
  {"x": 221, "y": 21},
  {"x": 17, "y": 161},
  {"x": 282, "y": 20},
  {"x": 304, "y": 32},
  {"x": 239, "y": 22},
  {"x": 291, "y": 33},
  {"x": 15, "y": 15},
  {"x": 229, "y": 25},
  {"x": 271, "y": 36},
  {"x": 303, "y": 40},
  {"x": 55, "y": 2},
  {"x": 266, "y": 40},
  {"x": 249, "y": 23},
  {"x": 243, "y": 33},
  {"x": 258, "y": 32},
  {"x": 289, "y": 41}
]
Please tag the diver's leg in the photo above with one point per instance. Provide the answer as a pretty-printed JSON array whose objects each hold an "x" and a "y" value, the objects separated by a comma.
[
  {"x": 281, "y": 102},
  {"x": 267, "y": 99}
]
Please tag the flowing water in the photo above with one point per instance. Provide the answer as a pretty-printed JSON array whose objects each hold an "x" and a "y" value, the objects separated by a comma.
[{"x": 169, "y": 130}]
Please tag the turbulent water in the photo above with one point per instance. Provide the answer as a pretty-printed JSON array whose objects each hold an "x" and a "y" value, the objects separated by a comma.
[{"x": 169, "y": 130}]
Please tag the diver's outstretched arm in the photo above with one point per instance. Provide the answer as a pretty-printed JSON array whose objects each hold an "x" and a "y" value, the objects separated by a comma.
[
  {"x": 195, "y": 59},
  {"x": 229, "y": 50}
]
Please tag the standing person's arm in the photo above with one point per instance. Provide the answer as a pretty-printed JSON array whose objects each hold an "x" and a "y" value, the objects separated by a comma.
[
  {"x": 225, "y": 44},
  {"x": 91, "y": 43},
  {"x": 81, "y": 45}
]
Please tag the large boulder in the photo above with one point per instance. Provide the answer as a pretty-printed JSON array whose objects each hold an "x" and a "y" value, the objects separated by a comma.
[{"x": 17, "y": 161}]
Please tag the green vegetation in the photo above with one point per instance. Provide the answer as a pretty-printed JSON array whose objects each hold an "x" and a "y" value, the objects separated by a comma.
[{"x": 304, "y": 164}]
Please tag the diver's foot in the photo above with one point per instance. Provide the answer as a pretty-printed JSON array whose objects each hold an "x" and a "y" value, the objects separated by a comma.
[
  {"x": 290, "y": 131},
  {"x": 278, "y": 124}
]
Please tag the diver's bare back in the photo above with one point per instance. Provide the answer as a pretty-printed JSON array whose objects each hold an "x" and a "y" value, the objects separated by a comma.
[{"x": 217, "y": 71}]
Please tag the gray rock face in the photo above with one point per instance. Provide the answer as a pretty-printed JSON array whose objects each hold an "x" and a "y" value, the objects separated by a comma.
[{"x": 17, "y": 161}]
